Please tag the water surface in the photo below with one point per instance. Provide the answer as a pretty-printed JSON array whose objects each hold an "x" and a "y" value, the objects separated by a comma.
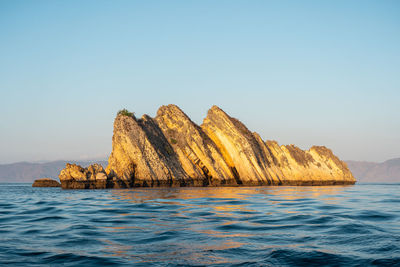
[{"x": 247, "y": 226}]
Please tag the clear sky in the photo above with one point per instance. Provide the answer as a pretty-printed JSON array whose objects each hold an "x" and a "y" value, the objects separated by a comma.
[{"x": 301, "y": 72}]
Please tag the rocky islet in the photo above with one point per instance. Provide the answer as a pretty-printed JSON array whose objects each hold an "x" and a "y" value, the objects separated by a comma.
[
  {"x": 171, "y": 150},
  {"x": 46, "y": 182}
]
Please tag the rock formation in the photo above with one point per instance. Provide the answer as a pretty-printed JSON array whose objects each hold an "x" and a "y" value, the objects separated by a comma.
[
  {"x": 171, "y": 150},
  {"x": 45, "y": 182}
]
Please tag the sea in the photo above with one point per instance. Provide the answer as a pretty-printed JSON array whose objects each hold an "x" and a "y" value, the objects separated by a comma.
[{"x": 356, "y": 225}]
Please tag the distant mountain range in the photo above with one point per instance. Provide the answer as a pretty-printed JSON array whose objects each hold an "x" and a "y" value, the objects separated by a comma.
[
  {"x": 385, "y": 172},
  {"x": 26, "y": 172}
]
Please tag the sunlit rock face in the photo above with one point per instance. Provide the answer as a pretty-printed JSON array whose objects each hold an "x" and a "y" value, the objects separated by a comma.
[
  {"x": 197, "y": 153},
  {"x": 171, "y": 150},
  {"x": 239, "y": 147},
  {"x": 316, "y": 166},
  {"x": 142, "y": 155}
]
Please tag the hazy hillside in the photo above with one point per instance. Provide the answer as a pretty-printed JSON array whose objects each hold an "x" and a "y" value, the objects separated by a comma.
[
  {"x": 22, "y": 172},
  {"x": 387, "y": 172}
]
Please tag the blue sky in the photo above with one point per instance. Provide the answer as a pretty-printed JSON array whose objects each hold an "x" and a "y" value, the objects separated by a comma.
[{"x": 301, "y": 72}]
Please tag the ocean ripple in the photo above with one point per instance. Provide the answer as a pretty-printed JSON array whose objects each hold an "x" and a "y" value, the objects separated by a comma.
[{"x": 239, "y": 226}]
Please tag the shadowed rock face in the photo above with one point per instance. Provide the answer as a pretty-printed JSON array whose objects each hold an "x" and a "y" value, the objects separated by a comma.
[{"x": 171, "y": 150}]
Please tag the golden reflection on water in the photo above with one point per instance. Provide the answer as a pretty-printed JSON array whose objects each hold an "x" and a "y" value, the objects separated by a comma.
[
  {"x": 225, "y": 205},
  {"x": 239, "y": 193}
]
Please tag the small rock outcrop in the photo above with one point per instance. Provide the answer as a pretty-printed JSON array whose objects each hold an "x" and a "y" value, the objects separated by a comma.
[
  {"x": 46, "y": 182},
  {"x": 76, "y": 177},
  {"x": 171, "y": 150}
]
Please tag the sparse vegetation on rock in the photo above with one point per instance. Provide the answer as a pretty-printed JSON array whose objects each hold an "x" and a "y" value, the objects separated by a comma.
[{"x": 125, "y": 112}]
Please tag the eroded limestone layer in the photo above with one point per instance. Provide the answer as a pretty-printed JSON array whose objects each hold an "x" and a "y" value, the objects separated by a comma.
[{"x": 171, "y": 150}]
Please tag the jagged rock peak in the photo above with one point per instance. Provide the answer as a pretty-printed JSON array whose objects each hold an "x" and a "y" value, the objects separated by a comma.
[
  {"x": 170, "y": 108},
  {"x": 141, "y": 155},
  {"x": 197, "y": 153},
  {"x": 215, "y": 108},
  {"x": 239, "y": 146}
]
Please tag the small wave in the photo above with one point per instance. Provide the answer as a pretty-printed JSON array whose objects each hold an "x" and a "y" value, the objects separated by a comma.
[
  {"x": 292, "y": 257},
  {"x": 46, "y": 209},
  {"x": 239, "y": 227},
  {"x": 81, "y": 241},
  {"x": 70, "y": 259},
  {"x": 373, "y": 215},
  {"x": 164, "y": 236},
  {"x": 47, "y": 219}
]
